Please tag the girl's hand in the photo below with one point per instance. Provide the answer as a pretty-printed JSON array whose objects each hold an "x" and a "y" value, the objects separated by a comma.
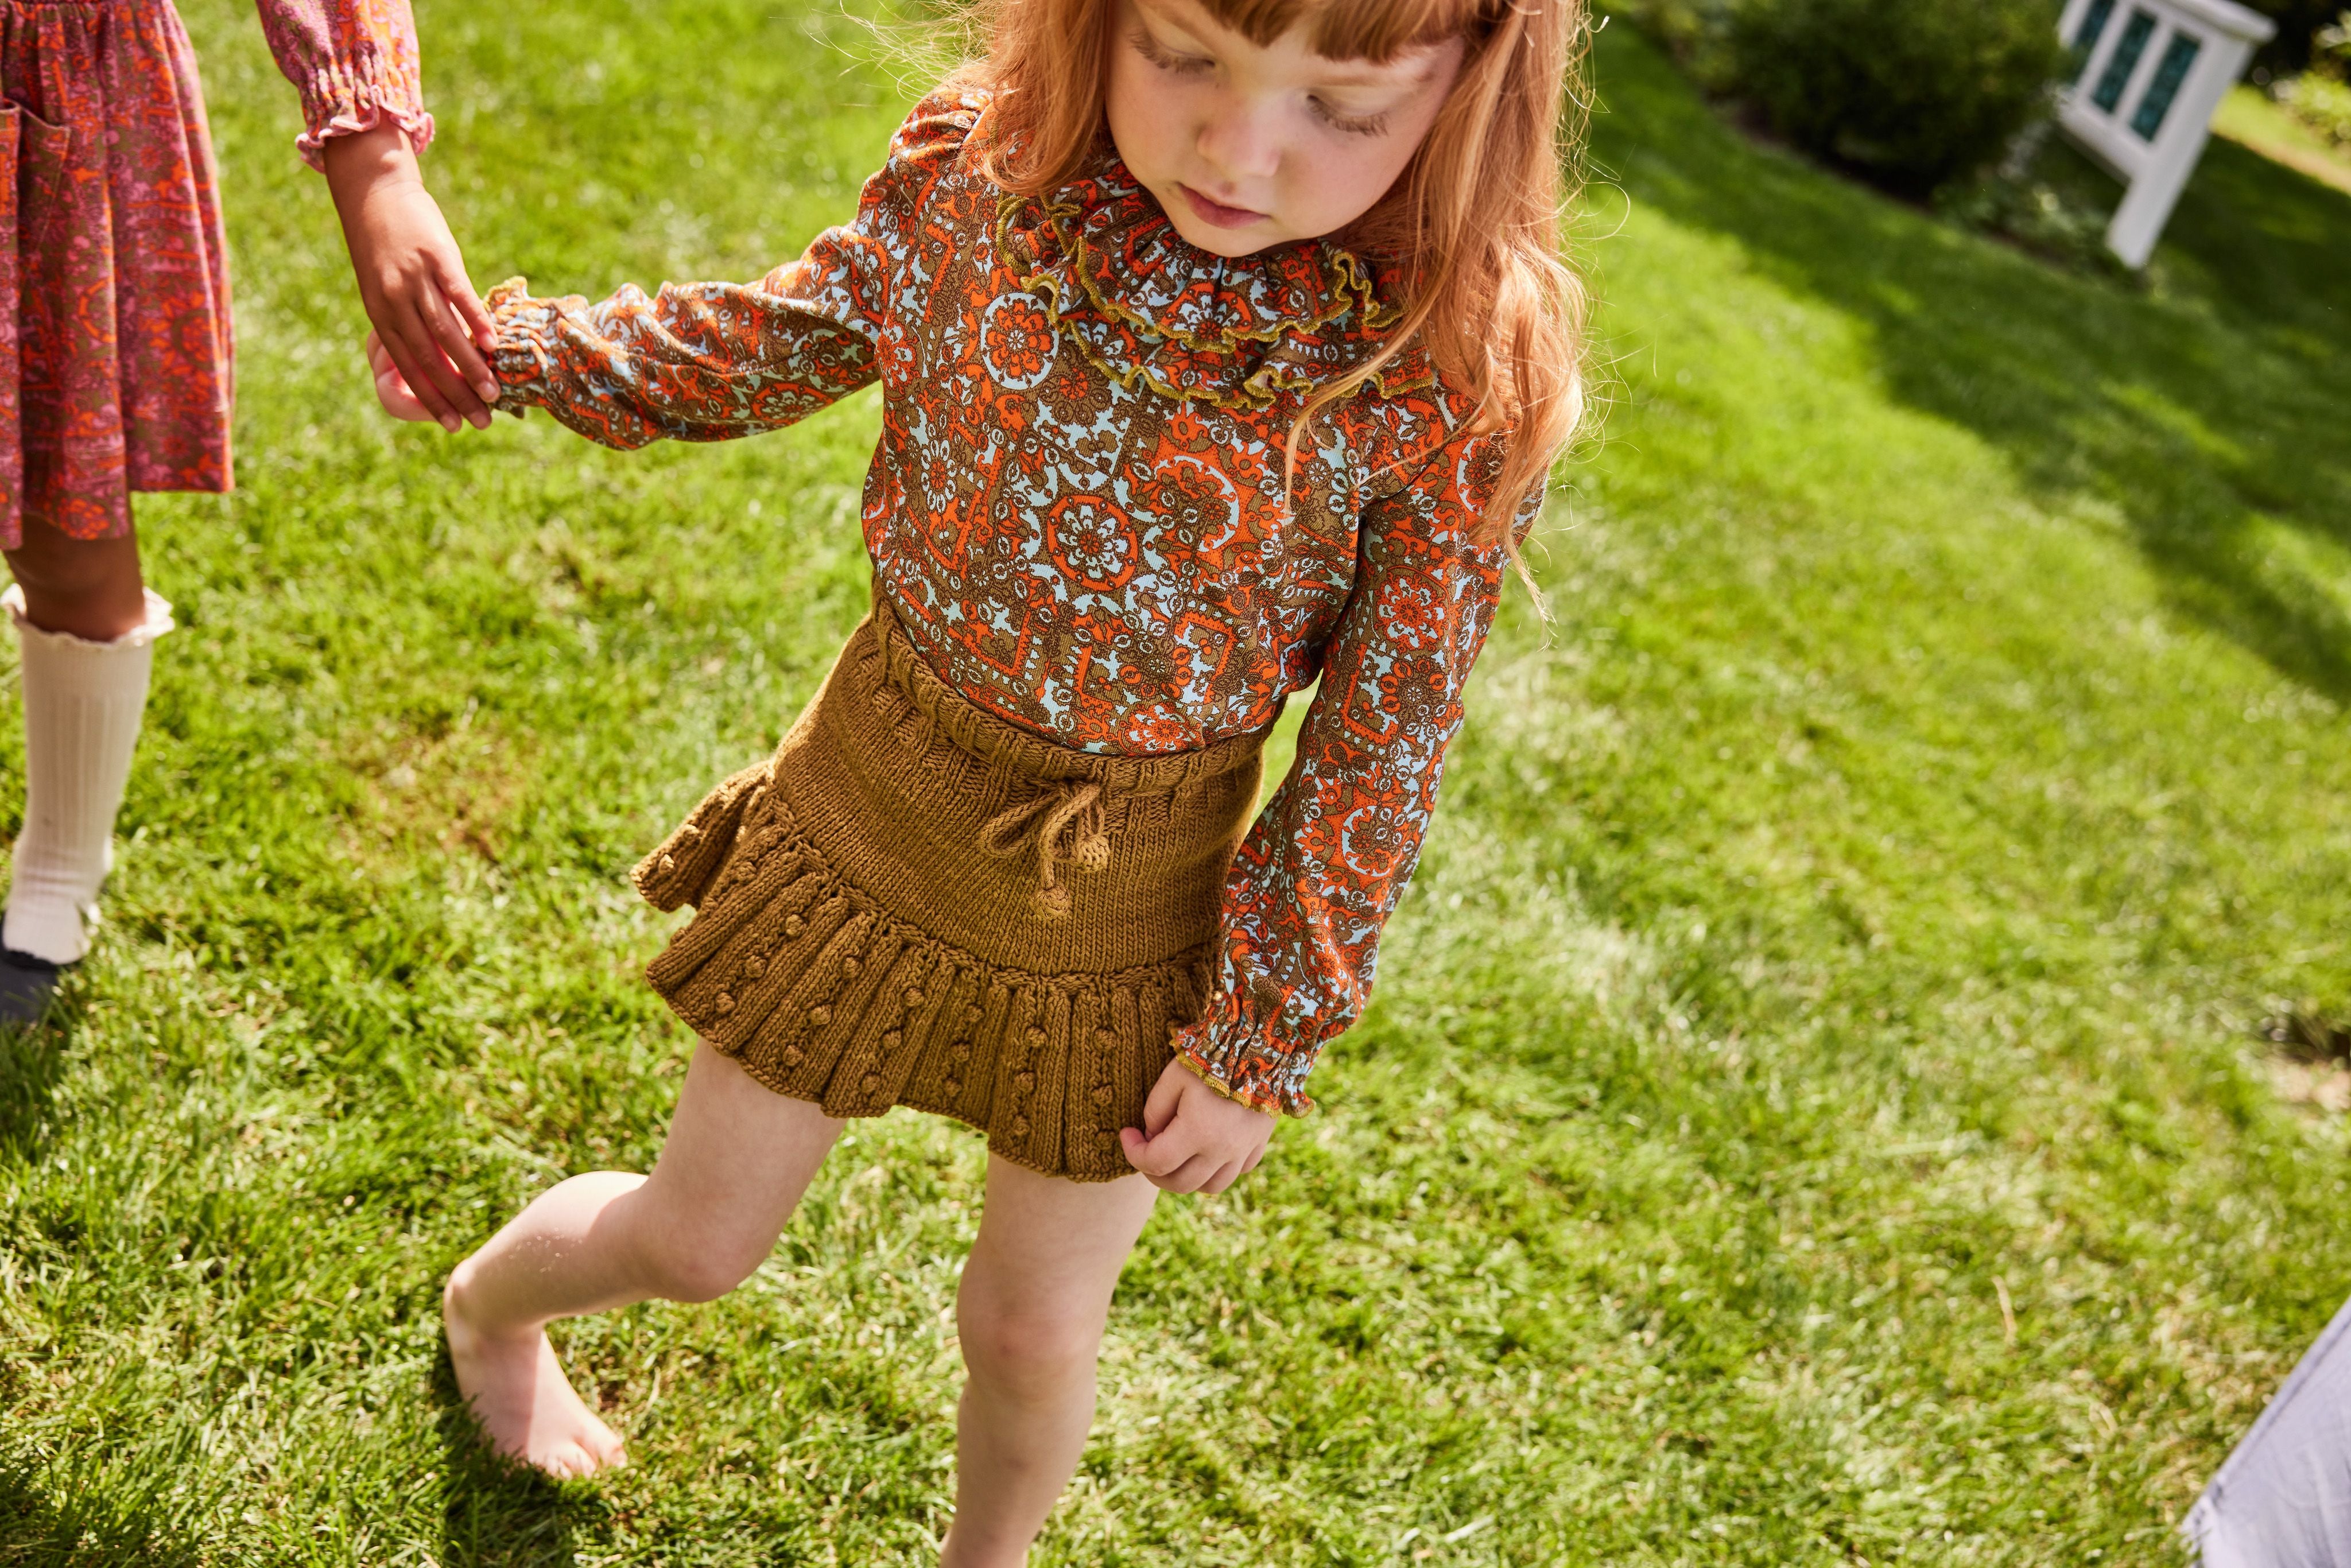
[
  {"x": 412, "y": 279},
  {"x": 391, "y": 387},
  {"x": 1192, "y": 1139}
]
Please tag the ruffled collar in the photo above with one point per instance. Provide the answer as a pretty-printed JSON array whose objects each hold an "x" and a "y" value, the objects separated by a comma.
[{"x": 1151, "y": 308}]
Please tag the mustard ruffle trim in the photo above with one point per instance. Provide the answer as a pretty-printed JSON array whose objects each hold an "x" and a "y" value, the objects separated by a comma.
[
  {"x": 1256, "y": 1100},
  {"x": 1348, "y": 289}
]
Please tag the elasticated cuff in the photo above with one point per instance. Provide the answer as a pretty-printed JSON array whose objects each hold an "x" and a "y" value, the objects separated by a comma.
[
  {"x": 523, "y": 327},
  {"x": 345, "y": 99},
  {"x": 1243, "y": 1061}
]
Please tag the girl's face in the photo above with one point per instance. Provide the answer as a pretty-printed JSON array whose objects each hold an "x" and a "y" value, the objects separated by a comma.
[{"x": 1250, "y": 145}]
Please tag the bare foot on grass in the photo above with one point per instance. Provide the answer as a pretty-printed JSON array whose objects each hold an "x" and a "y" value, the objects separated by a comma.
[{"x": 519, "y": 1392}]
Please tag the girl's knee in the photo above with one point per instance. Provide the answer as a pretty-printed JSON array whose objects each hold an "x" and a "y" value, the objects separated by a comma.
[
  {"x": 1020, "y": 1347},
  {"x": 703, "y": 1276},
  {"x": 689, "y": 1264},
  {"x": 695, "y": 1258},
  {"x": 90, "y": 588}
]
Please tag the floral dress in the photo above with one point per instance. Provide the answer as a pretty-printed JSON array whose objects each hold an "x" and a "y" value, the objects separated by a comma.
[
  {"x": 1077, "y": 512},
  {"x": 115, "y": 343}
]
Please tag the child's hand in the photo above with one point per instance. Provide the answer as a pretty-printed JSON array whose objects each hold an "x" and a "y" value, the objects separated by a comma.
[
  {"x": 412, "y": 278},
  {"x": 391, "y": 387},
  {"x": 1194, "y": 1139}
]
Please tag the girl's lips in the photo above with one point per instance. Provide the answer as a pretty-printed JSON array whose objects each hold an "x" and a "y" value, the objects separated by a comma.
[{"x": 1217, "y": 213}]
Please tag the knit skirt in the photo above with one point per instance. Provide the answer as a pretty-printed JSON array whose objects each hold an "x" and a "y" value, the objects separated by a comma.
[{"x": 916, "y": 902}]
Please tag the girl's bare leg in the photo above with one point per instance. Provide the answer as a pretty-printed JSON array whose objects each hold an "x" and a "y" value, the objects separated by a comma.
[
  {"x": 90, "y": 589},
  {"x": 737, "y": 1159},
  {"x": 1035, "y": 1295}
]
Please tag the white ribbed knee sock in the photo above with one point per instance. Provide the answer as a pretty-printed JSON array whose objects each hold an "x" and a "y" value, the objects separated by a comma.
[{"x": 83, "y": 701}]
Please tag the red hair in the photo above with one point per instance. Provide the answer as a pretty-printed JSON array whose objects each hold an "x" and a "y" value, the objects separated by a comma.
[{"x": 1472, "y": 223}]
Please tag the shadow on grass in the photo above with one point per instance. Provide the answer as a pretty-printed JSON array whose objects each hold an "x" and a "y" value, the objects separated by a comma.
[
  {"x": 39, "y": 1526},
  {"x": 32, "y": 1064},
  {"x": 2213, "y": 415},
  {"x": 498, "y": 1513}
]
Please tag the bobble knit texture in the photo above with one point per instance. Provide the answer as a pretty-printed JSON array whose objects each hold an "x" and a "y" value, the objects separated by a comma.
[
  {"x": 1077, "y": 514},
  {"x": 887, "y": 914}
]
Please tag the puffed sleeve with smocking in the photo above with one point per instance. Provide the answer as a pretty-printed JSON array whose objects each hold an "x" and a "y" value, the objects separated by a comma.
[
  {"x": 355, "y": 64},
  {"x": 710, "y": 362},
  {"x": 1323, "y": 866}
]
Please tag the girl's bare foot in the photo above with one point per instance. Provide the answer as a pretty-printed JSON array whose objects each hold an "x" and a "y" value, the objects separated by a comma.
[{"x": 519, "y": 1392}]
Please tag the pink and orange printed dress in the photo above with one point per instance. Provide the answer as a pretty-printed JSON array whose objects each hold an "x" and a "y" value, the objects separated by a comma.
[
  {"x": 1077, "y": 514},
  {"x": 116, "y": 349}
]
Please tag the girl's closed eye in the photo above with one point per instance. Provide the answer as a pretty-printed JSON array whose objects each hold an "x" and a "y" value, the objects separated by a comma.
[
  {"x": 1352, "y": 124},
  {"x": 1177, "y": 62},
  {"x": 1167, "y": 59}
]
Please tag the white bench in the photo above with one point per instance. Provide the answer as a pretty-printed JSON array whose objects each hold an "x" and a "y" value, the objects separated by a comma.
[{"x": 2153, "y": 72}]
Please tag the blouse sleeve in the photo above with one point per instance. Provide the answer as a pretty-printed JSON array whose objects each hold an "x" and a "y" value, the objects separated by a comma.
[
  {"x": 1323, "y": 866},
  {"x": 711, "y": 361},
  {"x": 355, "y": 64}
]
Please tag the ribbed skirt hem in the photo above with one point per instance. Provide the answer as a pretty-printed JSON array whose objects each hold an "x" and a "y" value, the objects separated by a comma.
[
  {"x": 827, "y": 990},
  {"x": 824, "y": 996}
]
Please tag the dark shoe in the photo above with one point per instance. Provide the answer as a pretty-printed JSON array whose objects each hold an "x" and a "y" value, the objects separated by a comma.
[{"x": 26, "y": 985}]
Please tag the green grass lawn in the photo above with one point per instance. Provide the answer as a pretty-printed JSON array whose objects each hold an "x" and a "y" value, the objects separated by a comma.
[
  {"x": 2254, "y": 118},
  {"x": 1813, "y": 1113}
]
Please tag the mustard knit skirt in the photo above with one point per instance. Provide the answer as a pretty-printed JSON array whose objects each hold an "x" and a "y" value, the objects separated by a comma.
[{"x": 916, "y": 902}]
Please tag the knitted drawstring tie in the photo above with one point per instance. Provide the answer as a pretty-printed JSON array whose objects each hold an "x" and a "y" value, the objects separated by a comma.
[{"x": 1066, "y": 823}]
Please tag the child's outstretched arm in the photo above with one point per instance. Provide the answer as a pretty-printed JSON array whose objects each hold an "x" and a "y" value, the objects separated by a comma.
[
  {"x": 707, "y": 362},
  {"x": 412, "y": 277},
  {"x": 710, "y": 362},
  {"x": 699, "y": 362},
  {"x": 355, "y": 63}
]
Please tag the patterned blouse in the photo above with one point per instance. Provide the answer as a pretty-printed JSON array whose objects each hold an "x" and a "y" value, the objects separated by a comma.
[{"x": 1077, "y": 512}]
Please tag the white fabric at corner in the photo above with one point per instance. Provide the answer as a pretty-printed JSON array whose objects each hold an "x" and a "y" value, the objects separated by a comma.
[
  {"x": 83, "y": 701},
  {"x": 2284, "y": 1498}
]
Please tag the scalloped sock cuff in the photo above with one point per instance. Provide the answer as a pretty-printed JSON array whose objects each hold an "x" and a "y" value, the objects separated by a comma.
[{"x": 83, "y": 703}]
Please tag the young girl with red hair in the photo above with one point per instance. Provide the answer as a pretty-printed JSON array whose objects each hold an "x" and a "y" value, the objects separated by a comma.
[{"x": 1225, "y": 346}]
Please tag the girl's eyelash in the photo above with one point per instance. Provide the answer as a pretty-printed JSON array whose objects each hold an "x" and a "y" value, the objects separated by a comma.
[
  {"x": 1148, "y": 48},
  {"x": 1367, "y": 125}
]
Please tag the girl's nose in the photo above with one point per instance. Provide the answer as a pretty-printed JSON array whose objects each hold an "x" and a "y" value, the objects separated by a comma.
[{"x": 1239, "y": 140}]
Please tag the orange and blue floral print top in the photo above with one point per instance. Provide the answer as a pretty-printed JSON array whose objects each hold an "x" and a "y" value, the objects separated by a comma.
[{"x": 1076, "y": 510}]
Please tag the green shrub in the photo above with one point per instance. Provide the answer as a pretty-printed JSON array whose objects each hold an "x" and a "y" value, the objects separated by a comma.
[
  {"x": 1692, "y": 31},
  {"x": 1695, "y": 32},
  {"x": 1909, "y": 92},
  {"x": 2298, "y": 22},
  {"x": 2320, "y": 102}
]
